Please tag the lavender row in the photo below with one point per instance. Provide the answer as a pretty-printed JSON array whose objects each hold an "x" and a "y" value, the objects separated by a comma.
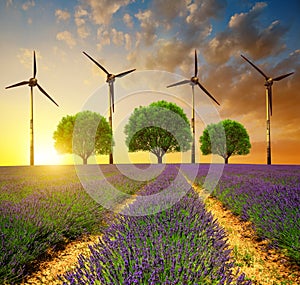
[
  {"x": 180, "y": 244},
  {"x": 269, "y": 196},
  {"x": 35, "y": 216}
]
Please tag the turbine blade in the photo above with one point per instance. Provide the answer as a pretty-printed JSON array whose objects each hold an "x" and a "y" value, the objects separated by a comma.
[
  {"x": 34, "y": 65},
  {"x": 207, "y": 93},
  {"x": 270, "y": 99},
  {"x": 125, "y": 73},
  {"x": 259, "y": 70},
  {"x": 282, "y": 76},
  {"x": 196, "y": 64},
  {"x": 112, "y": 96},
  {"x": 98, "y": 64},
  {"x": 186, "y": 81},
  {"x": 17, "y": 84},
  {"x": 45, "y": 93}
]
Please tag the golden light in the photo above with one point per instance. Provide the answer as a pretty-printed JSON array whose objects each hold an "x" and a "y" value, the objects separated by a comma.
[{"x": 46, "y": 156}]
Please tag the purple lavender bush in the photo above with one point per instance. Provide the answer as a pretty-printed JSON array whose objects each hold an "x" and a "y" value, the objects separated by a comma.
[
  {"x": 181, "y": 244},
  {"x": 39, "y": 209},
  {"x": 40, "y": 221},
  {"x": 269, "y": 196}
]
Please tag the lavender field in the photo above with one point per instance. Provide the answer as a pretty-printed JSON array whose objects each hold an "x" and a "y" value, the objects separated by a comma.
[
  {"x": 268, "y": 196},
  {"x": 180, "y": 244},
  {"x": 174, "y": 241},
  {"x": 42, "y": 207}
]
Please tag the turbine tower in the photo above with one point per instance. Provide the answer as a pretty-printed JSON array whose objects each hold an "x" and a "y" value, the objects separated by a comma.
[
  {"x": 268, "y": 84},
  {"x": 32, "y": 82},
  {"x": 110, "y": 79},
  {"x": 194, "y": 81}
]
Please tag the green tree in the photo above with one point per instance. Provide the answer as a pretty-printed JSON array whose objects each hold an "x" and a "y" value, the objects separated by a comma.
[
  {"x": 228, "y": 137},
  {"x": 83, "y": 134},
  {"x": 160, "y": 128}
]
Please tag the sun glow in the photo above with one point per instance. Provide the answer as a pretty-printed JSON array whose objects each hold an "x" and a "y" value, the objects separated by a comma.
[{"x": 46, "y": 156}]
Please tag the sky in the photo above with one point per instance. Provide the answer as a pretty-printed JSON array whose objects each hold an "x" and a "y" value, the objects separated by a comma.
[{"x": 158, "y": 38}]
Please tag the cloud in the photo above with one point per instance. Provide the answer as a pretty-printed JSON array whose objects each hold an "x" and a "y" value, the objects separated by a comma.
[
  {"x": 168, "y": 10},
  {"x": 128, "y": 42},
  {"x": 80, "y": 12},
  {"x": 127, "y": 19},
  {"x": 117, "y": 37},
  {"x": 203, "y": 10},
  {"x": 197, "y": 24},
  {"x": 102, "y": 10},
  {"x": 62, "y": 15},
  {"x": 79, "y": 16},
  {"x": 28, "y": 4},
  {"x": 83, "y": 32},
  {"x": 245, "y": 33},
  {"x": 168, "y": 55},
  {"x": 148, "y": 26},
  {"x": 103, "y": 37},
  {"x": 80, "y": 21},
  {"x": 172, "y": 30},
  {"x": 66, "y": 37},
  {"x": 113, "y": 36},
  {"x": 244, "y": 18}
]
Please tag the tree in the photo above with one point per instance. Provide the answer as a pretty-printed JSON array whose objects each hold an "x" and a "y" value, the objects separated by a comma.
[
  {"x": 160, "y": 128},
  {"x": 228, "y": 137},
  {"x": 83, "y": 134}
]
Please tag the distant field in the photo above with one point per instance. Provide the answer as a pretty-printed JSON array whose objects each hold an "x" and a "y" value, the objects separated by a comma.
[{"x": 43, "y": 206}]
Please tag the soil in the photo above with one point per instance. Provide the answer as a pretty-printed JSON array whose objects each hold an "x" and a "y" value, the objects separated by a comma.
[{"x": 60, "y": 261}]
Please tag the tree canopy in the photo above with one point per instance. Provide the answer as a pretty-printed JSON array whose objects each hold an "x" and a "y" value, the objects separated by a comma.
[
  {"x": 83, "y": 134},
  {"x": 160, "y": 128},
  {"x": 228, "y": 137}
]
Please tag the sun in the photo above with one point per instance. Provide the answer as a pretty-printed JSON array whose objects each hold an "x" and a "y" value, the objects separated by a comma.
[{"x": 46, "y": 156}]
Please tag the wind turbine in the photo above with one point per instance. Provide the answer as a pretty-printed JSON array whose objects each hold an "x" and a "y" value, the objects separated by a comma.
[
  {"x": 110, "y": 79},
  {"x": 194, "y": 81},
  {"x": 268, "y": 84},
  {"x": 32, "y": 82}
]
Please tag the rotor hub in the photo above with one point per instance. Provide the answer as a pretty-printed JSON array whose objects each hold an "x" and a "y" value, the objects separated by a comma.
[
  {"x": 110, "y": 78},
  {"x": 269, "y": 82},
  {"x": 32, "y": 82},
  {"x": 195, "y": 79}
]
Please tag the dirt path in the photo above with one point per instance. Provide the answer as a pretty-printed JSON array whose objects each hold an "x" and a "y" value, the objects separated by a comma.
[
  {"x": 61, "y": 261},
  {"x": 264, "y": 266}
]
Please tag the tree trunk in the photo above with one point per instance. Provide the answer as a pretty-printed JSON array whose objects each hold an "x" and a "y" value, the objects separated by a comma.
[
  {"x": 226, "y": 160},
  {"x": 84, "y": 160},
  {"x": 159, "y": 159}
]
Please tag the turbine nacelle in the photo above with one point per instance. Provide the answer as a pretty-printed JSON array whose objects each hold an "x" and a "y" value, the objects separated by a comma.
[
  {"x": 32, "y": 82},
  {"x": 269, "y": 82},
  {"x": 110, "y": 78},
  {"x": 194, "y": 80}
]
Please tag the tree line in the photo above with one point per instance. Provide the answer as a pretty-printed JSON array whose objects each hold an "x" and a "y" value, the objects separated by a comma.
[{"x": 160, "y": 128}]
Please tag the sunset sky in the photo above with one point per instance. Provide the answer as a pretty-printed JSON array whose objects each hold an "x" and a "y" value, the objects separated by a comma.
[{"x": 158, "y": 38}]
